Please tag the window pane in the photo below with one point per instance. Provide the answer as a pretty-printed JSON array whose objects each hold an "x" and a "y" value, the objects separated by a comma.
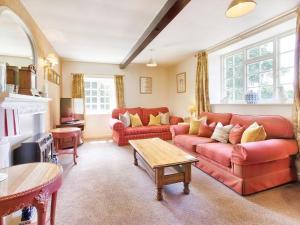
[
  {"x": 286, "y": 76},
  {"x": 266, "y": 78},
  {"x": 266, "y": 65},
  {"x": 94, "y": 85},
  {"x": 238, "y": 71},
  {"x": 287, "y": 59},
  {"x": 253, "y": 53},
  {"x": 229, "y": 62},
  {"x": 289, "y": 91},
  {"x": 238, "y": 59},
  {"x": 94, "y": 107},
  {"x": 88, "y": 100},
  {"x": 229, "y": 83},
  {"x": 253, "y": 68},
  {"x": 266, "y": 49},
  {"x": 87, "y": 84},
  {"x": 253, "y": 80},
  {"x": 266, "y": 92},
  {"x": 87, "y": 92},
  {"x": 287, "y": 43},
  {"x": 229, "y": 95},
  {"x": 239, "y": 82},
  {"x": 94, "y": 100},
  {"x": 239, "y": 94},
  {"x": 94, "y": 93},
  {"x": 229, "y": 73}
]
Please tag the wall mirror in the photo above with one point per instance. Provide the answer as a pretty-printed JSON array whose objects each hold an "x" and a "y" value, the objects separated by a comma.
[{"x": 16, "y": 50}]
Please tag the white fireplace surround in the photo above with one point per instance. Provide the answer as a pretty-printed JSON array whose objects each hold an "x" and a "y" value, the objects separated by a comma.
[{"x": 32, "y": 114}]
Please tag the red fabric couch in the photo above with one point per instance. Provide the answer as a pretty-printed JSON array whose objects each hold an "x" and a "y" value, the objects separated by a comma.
[
  {"x": 121, "y": 134},
  {"x": 246, "y": 168}
]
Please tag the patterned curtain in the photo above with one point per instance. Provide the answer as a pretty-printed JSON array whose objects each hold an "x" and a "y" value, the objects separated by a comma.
[
  {"x": 296, "y": 106},
  {"x": 202, "y": 94},
  {"x": 78, "y": 85},
  {"x": 119, "y": 83}
]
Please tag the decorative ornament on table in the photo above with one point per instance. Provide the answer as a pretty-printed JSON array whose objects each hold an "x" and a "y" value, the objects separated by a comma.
[{"x": 251, "y": 97}]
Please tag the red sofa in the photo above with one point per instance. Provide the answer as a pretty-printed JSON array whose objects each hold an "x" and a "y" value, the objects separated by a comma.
[
  {"x": 249, "y": 167},
  {"x": 121, "y": 134}
]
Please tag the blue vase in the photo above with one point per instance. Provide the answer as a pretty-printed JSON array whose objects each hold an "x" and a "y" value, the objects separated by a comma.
[{"x": 251, "y": 97}]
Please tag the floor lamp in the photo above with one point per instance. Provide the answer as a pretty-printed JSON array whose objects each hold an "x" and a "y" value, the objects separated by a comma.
[{"x": 9, "y": 126}]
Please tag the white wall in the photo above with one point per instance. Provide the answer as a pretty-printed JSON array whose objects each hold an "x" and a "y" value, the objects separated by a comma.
[{"x": 97, "y": 125}]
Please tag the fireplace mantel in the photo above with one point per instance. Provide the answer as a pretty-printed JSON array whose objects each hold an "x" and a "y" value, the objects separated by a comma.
[{"x": 24, "y": 103}]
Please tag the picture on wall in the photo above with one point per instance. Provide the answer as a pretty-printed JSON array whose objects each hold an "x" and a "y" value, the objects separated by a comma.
[
  {"x": 146, "y": 85},
  {"x": 181, "y": 83}
]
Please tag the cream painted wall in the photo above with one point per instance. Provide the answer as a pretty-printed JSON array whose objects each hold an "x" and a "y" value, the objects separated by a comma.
[
  {"x": 180, "y": 102},
  {"x": 97, "y": 125}
]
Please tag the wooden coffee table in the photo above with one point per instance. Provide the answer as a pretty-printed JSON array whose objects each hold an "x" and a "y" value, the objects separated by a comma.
[{"x": 159, "y": 155}]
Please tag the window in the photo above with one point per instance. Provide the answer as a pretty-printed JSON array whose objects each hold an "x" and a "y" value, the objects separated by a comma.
[
  {"x": 99, "y": 95},
  {"x": 267, "y": 68}
]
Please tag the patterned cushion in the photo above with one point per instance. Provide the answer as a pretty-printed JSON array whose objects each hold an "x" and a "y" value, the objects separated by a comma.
[
  {"x": 253, "y": 133},
  {"x": 125, "y": 118},
  {"x": 221, "y": 133},
  {"x": 164, "y": 118},
  {"x": 135, "y": 120},
  {"x": 235, "y": 134},
  {"x": 116, "y": 112},
  {"x": 154, "y": 120},
  {"x": 194, "y": 125},
  {"x": 146, "y": 112},
  {"x": 147, "y": 129}
]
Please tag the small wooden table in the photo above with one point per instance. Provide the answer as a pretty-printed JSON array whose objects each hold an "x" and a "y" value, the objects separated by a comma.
[
  {"x": 30, "y": 184},
  {"x": 159, "y": 155}
]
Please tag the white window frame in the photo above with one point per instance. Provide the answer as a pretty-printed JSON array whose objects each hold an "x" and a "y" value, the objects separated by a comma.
[
  {"x": 112, "y": 96},
  {"x": 276, "y": 65}
]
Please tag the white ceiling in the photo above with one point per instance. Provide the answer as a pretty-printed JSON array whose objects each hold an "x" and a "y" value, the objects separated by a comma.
[{"x": 105, "y": 31}]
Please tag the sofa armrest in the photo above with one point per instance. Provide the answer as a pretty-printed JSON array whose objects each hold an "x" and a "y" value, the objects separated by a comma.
[
  {"x": 116, "y": 125},
  {"x": 263, "y": 151},
  {"x": 175, "y": 120},
  {"x": 179, "y": 129}
]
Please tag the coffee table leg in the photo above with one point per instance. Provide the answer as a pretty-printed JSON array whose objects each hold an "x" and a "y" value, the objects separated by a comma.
[
  {"x": 159, "y": 180},
  {"x": 135, "y": 158},
  {"x": 187, "y": 178}
]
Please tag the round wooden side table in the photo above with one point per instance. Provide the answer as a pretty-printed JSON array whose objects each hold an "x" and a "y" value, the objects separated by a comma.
[
  {"x": 61, "y": 134},
  {"x": 30, "y": 184}
]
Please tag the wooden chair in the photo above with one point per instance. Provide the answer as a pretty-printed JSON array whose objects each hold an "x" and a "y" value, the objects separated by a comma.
[{"x": 60, "y": 134}]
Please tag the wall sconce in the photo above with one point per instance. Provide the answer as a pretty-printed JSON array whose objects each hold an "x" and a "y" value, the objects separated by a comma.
[{"x": 51, "y": 61}]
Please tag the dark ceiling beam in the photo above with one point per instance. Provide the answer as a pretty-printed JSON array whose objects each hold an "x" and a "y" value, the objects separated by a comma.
[{"x": 168, "y": 12}]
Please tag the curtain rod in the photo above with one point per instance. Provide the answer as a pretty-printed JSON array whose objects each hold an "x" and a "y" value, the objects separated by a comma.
[{"x": 254, "y": 30}]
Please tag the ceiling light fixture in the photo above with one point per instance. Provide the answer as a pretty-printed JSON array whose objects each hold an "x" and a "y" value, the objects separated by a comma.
[
  {"x": 151, "y": 62},
  {"x": 240, "y": 7}
]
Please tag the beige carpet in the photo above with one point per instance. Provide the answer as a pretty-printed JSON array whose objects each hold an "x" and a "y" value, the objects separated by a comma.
[{"x": 106, "y": 188}]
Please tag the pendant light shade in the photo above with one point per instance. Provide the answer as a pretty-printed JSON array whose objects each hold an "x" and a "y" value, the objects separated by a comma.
[
  {"x": 151, "y": 63},
  {"x": 240, "y": 7}
]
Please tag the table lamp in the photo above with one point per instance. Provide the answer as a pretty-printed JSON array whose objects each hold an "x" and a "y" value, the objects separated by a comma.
[
  {"x": 192, "y": 110},
  {"x": 9, "y": 126}
]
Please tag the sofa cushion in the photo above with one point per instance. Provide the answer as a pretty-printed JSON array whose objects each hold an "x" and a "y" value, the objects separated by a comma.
[
  {"x": 275, "y": 126},
  {"x": 147, "y": 129},
  {"x": 235, "y": 134},
  {"x": 116, "y": 112},
  {"x": 218, "y": 152},
  {"x": 189, "y": 142},
  {"x": 154, "y": 111},
  {"x": 224, "y": 118}
]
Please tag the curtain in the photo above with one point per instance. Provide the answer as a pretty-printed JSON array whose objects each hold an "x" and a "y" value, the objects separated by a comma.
[
  {"x": 202, "y": 94},
  {"x": 78, "y": 95},
  {"x": 296, "y": 106},
  {"x": 119, "y": 83},
  {"x": 78, "y": 85}
]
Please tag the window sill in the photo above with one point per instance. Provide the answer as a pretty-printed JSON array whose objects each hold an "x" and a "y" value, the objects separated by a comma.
[
  {"x": 257, "y": 104},
  {"x": 98, "y": 114}
]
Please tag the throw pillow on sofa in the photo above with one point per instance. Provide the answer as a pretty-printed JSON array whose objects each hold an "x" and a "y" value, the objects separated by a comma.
[
  {"x": 221, "y": 133},
  {"x": 135, "y": 120},
  {"x": 194, "y": 125},
  {"x": 236, "y": 133},
  {"x": 253, "y": 133},
  {"x": 164, "y": 118},
  {"x": 154, "y": 120},
  {"x": 125, "y": 118},
  {"x": 206, "y": 130}
]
